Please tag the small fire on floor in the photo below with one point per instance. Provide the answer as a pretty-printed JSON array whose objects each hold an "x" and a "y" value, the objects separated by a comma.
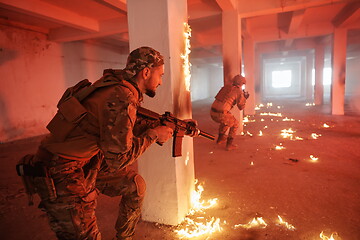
[{"x": 196, "y": 223}]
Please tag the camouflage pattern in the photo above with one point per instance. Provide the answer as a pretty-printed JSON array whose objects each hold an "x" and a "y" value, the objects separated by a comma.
[
  {"x": 239, "y": 80},
  {"x": 139, "y": 59},
  {"x": 227, "y": 121},
  {"x": 225, "y": 100},
  {"x": 81, "y": 167}
]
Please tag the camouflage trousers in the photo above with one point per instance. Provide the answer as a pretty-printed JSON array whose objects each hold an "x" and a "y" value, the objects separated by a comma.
[
  {"x": 227, "y": 122},
  {"x": 72, "y": 213}
]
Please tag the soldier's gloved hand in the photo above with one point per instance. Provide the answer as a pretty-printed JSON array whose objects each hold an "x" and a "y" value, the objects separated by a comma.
[
  {"x": 163, "y": 133},
  {"x": 193, "y": 131},
  {"x": 246, "y": 94}
]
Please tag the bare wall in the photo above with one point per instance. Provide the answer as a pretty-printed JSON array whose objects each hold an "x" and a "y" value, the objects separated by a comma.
[{"x": 34, "y": 74}]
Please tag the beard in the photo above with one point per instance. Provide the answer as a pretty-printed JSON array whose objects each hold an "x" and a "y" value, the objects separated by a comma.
[{"x": 150, "y": 93}]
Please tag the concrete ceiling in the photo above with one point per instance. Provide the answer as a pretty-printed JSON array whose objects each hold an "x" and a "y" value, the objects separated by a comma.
[{"x": 283, "y": 22}]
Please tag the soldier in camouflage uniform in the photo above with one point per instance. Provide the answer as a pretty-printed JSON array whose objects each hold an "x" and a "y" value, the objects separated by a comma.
[
  {"x": 94, "y": 156},
  {"x": 225, "y": 100}
]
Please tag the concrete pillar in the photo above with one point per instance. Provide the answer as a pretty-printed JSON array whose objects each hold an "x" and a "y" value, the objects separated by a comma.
[
  {"x": 170, "y": 181},
  {"x": 249, "y": 63},
  {"x": 338, "y": 71},
  {"x": 308, "y": 79},
  {"x": 232, "y": 51},
  {"x": 319, "y": 70}
]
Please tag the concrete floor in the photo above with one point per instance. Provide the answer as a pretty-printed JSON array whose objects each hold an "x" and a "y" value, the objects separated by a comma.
[{"x": 253, "y": 181}]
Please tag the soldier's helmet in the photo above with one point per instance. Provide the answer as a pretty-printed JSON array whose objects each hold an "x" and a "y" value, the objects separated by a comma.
[
  {"x": 239, "y": 80},
  {"x": 140, "y": 58}
]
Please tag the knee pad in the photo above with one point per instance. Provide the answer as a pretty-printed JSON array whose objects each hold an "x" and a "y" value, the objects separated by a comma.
[{"x": 140, "y": 185}]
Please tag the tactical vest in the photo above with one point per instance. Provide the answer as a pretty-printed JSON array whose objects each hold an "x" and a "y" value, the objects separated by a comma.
[
  {"x": 71, "y": 113},
  {"x": 223, "y": 93}
]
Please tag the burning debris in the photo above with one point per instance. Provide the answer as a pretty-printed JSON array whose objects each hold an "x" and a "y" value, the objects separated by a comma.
[
  {"x": 288, "y": 133},
  {"x": 279, "y": 147},
  {"x": 314, "y": 159},
  {"x": 286, "y": 119},
  {"x": 315, "y": 136},
  {"x": 323, "y": 237},
  {"x": 196, "y": 229},
  {"x": 256, "y": 222},
  {"x": 271, "y": 114},
  {"x": 193, "y": 226},
  {"x": 287, "y": 225}
]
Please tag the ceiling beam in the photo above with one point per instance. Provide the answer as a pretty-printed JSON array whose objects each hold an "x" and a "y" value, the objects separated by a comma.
[
  {"x": 274, "y": 34},
  {"x": 345, "y": 14},
  {"x": 117, "y": 5},
  {"x": 227, "y": 5},
  {"x": 295, "y": 22},
  {"x": 264, "y": 7},
  {"x": 51, "y": 13},
  {"x": 106, "y": 28}
]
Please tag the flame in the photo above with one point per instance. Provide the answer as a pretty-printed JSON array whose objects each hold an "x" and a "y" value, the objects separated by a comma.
[
  {"x": 314, "y": 158},
  {"x": 287, "y": 225},
  {"x": 288, "y": 119},
  {"x": 262, "y": 120},
  {"x": 326, "y": 126},
  {"x": 196, "y": 229},
  {"x": 252, "y": 163},
  {"x": 197, "y": 205},
  {"x": 279, "y": 147},
  {"x": 315, "y": 136},
  {"x": 185, "y": 56},
  {"x": 246, "y": 119},
  {"x": 323, "y": 237},
  {"x": 192, "y": 228},
  {"x": 269, "y": 105},
  {"x": 247, "y": 133},
  {"x": 260, "y": 133},
  {"x": 288, "y": 133},
  {"x": 310, "y": 104},
  {"x": 256, "y": 222},
  {"x": 271, "y": 114},
  {"x": 265, "y": 127}
]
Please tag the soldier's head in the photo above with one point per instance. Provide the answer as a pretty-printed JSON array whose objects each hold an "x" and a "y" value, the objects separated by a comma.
[
  {"x": 238, "y": 80},
  {"x": 146, "y": 65}
]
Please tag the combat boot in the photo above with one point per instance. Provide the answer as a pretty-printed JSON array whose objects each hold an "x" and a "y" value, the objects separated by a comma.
[
  {"x": 230, "y": 145},
  {"x": 221, "y": 139}
]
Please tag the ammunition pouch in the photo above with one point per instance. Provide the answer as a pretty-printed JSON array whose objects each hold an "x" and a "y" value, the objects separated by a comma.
[
  {"x": 69, "y": 115},
  {"x": 35, "y": 178}
]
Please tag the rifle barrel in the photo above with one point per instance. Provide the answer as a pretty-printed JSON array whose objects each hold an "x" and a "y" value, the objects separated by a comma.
[{"x": 206, "y": 135}]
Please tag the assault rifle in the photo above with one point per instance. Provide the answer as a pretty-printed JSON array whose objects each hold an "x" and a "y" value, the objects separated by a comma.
[{"x": 180, "y": 127}]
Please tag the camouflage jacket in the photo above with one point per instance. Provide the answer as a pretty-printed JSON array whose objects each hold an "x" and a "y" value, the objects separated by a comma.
[
  {"x": 228, "y": 97},
  {"x": 110, "y": 129}
]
